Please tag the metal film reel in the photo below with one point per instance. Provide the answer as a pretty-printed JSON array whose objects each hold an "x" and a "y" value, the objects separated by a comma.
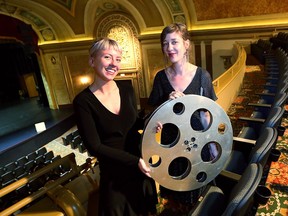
[{"x": 181, "y": 163}]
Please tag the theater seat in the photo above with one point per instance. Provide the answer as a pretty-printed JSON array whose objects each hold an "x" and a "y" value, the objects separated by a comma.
[
  {"x": 237, "y": 202},
  {"x": 265, "y": 103},
  {"x": 255, "y": 125},
  {"x": 244, "y": 153}
]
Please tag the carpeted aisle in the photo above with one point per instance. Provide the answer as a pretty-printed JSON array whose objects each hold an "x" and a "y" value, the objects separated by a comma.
[{"x": 277, "y": 180}]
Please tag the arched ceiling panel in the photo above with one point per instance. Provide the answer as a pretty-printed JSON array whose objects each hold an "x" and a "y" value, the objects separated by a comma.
[
  {"x": 72, "y": 11},
  {"x": 66, "y": 20},
  {"x": 149, "y": 12},
  {"x": 235, "y": 14},
  {"x": 222, "y": 9},
  {"x": 48, "y": 24}
]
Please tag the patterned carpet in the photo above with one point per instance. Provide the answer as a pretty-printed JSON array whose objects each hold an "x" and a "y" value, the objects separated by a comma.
[{"x": 277, "y": 180}]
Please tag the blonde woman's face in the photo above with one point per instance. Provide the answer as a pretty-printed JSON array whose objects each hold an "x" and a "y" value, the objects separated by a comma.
[{"x": 106, "y": 63}]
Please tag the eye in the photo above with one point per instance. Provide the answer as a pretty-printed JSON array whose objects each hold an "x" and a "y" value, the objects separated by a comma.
[
  {"x": 118, "y": 60},
  {"x": 107, "y": 57},
  {"x": 174, "y": 42},
  {"x": 165, "y": 44}
]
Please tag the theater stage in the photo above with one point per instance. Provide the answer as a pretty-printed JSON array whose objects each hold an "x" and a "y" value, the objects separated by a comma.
[{"x": 18, "y": 135}]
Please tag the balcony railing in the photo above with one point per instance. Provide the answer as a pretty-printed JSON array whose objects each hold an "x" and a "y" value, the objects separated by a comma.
[{"x": 228, "y": 84}]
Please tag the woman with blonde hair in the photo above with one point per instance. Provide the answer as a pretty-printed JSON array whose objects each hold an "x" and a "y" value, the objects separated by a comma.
[{"x": 106, "y": 117}]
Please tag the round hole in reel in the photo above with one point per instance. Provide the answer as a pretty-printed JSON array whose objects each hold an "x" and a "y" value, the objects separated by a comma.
[
  {"x": 179, "y": 168},
  {"x": 169, "y": 135},
  {"x": 209, "y": 158},
  {"x": 154, "y": 161},
  {"x": 201, "y": 177},
  {"x": 222, "y": 127},
  {"x": 196, "y": 115},
  {"x": 178, "y": 108}
]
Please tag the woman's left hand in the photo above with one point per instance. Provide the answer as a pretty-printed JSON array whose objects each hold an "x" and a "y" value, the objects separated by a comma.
[
  {"x": 159, "y": 127},
  {"x": 143, "y": 167}
]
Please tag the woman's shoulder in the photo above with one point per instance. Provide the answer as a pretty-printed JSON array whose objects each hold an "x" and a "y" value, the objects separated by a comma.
[
  {"x": 83, "y": 95},
  {"x": 124, "y": 85},
  {"x": 202, "y": 70},
  {"x": 203, "y": 73},
  {"x": 160, "y": 75}
]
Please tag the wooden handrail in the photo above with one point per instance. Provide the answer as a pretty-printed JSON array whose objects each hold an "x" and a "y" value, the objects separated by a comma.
[{"x": 227, "y": 85}]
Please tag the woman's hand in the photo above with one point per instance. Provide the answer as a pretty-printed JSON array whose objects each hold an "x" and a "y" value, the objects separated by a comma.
[
  {"x": 159, "y": 127},
  {"x": 144, "y": 169},
  {"x": 175, "y": 94}
]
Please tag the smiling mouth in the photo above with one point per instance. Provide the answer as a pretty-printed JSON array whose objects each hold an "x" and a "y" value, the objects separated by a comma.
[{"x": 109, "y": 70}]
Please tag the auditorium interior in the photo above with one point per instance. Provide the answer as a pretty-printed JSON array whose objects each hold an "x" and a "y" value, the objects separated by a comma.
[{"x": 45, "y": 168}]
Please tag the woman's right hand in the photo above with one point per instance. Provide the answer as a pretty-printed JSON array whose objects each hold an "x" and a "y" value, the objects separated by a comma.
[{"x": 144, "y": 168}]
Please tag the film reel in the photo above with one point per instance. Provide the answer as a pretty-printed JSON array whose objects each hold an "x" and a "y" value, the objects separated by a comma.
[{"x": 180, "y": 162}]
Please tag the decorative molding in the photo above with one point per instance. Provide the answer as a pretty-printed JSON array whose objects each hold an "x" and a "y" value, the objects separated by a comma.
[
  {"x": 68, "y": 5},
  {"x": 174, "y": 6},
  {"x": 176, "y": 11},
  {"x": 32, "y": 18},
  {"x": 38, "y": 23}
]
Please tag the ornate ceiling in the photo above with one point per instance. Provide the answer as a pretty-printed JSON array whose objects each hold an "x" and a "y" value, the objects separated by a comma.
[{"x": 70, "y": 20}]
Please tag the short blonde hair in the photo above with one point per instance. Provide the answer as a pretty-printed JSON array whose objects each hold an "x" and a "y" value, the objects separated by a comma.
[{"x": 103, "y": 44}]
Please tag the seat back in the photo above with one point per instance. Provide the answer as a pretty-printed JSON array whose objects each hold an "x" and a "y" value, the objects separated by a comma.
[
  {"x": 263, "y": 146},
  {"x": 241, "y": 197},
  {"x": 274, "y": 118},
  {"x": 280, "y": 99}
]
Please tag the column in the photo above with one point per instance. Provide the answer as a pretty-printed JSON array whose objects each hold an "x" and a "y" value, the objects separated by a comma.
[
  {"x": 197, "y": 47},
  {"x": 208, "y": 57}
]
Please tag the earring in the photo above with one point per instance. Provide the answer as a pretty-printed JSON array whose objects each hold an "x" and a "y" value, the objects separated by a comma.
[
  {"x": 187, "y": 55},
  {"x": 91, "y": 62}
]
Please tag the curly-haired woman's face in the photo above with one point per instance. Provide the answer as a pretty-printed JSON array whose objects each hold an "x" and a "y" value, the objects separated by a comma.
[{"x": 175, "y": 47}]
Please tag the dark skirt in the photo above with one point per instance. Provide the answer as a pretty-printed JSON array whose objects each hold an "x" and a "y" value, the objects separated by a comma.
[{"x": 130, "y": 197}]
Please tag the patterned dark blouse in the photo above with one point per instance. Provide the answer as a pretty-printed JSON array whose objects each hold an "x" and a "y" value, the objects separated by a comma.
[{"x": 200, "y": 85}]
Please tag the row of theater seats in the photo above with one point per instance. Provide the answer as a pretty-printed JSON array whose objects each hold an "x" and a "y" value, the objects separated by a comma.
[
  {"x": 24, "y": 166},
  {"x": 240, "y": 187},
  {"x": 260, "y": 48},
  {"x": 46, "y": 185},
  {"x": 280, "y": 41},
  {"x": 74, "y": 140}
]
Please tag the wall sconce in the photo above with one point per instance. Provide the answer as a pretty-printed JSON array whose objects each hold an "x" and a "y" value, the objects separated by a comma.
[{"x": 84, "y": 80}]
